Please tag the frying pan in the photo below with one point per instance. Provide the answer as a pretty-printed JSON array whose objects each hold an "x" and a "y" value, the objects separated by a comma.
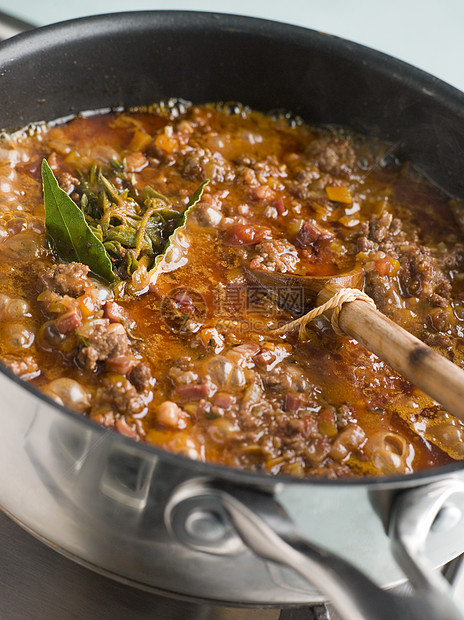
[{"x": 158, "y": 520}]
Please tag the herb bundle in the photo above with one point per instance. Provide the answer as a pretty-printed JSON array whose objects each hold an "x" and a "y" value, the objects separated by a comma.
[{"x": 118, "y": 235}]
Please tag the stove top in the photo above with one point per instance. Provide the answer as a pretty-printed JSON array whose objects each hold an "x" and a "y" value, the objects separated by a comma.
[{"x": 37, "y": 583}]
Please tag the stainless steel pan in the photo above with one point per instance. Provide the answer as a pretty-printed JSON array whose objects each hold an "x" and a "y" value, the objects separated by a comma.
[{"x": 160, "y": 521}]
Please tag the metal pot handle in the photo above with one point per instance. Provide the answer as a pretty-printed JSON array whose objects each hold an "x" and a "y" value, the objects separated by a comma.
[
  {"x": 267, "y": 530},
  {"x": 11, "y": 26},
  {"x": 414, "y": 514}
]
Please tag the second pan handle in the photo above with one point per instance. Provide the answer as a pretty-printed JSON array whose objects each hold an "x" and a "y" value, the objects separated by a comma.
[{"x": 11, "y": 26}]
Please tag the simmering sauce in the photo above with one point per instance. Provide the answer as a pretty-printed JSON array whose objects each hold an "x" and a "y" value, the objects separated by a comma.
[{"x": 176, "y": 347}]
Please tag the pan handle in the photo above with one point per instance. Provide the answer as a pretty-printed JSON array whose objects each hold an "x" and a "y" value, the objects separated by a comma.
[
  {"x": 267, "y": 530},
  {"x": 414, "y": 514}
]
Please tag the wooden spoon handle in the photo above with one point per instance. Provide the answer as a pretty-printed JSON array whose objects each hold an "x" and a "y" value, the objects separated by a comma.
[{"x": 424, "y": 367}]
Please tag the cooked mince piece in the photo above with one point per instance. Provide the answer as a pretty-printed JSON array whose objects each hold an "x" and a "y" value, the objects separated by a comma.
[{"x": 171, "y": 344}]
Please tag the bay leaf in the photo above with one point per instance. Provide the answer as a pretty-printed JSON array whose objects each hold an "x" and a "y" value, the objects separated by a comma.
[
  {"x": 67, "y": 230},
  {"x": 173, "y": 255}
]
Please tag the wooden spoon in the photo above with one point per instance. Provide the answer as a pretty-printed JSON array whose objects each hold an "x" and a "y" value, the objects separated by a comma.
[{"x": 417, "y": 362}]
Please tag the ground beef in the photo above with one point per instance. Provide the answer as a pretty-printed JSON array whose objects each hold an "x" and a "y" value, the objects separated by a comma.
[
  {"x": 379, "y": 226},
  {"x": 307, "y": 174},
  {"x": 384, "y": 291},
  {"x": 202, "y": 164},
  {"x": 278, "y": 380},
  {"x": 180, "y": 376},
  {"x": 382, "y": 232},
  {"x": 441, "y": 296},
  {"x": 120, "y": 392},
  {"x": 66, "y": 279},
  {"x": 452, "y": 258},
  {"x": 254, "y": 415},
  {"x": 103, "y": 340},
  {"x": 304, "y": 427},
  {"x": 312, "y": 236},
  {"x": 442, "y": 342},
  {"x": 344, "y": 415},
  {"x": 364, "y": 244},
  {"x": 275, "y": 255},
  {"x": 301, "y": 435},
  {"x": 332, "y": 155},
  {"x": 253, "y": 173},
  {"x": 440, "y": 319},
  {"x": 418, "y": 274},
  {"x": 246, "y": 176},
  {"x": 140, "y": 377},
  {"x": 270, "y": 166},
  {"x": 24, "y": 367},
  {"x": 68, "y": 182}
]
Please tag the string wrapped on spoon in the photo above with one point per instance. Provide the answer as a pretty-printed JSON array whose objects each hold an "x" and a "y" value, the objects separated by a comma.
[{"x": 335, "y": 303}]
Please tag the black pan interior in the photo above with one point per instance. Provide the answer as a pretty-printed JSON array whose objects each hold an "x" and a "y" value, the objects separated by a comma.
[{"x": 132, "y": 59}]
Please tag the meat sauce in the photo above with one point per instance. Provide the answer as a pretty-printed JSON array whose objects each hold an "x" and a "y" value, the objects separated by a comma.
[{"x": 188, "y": 360}]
